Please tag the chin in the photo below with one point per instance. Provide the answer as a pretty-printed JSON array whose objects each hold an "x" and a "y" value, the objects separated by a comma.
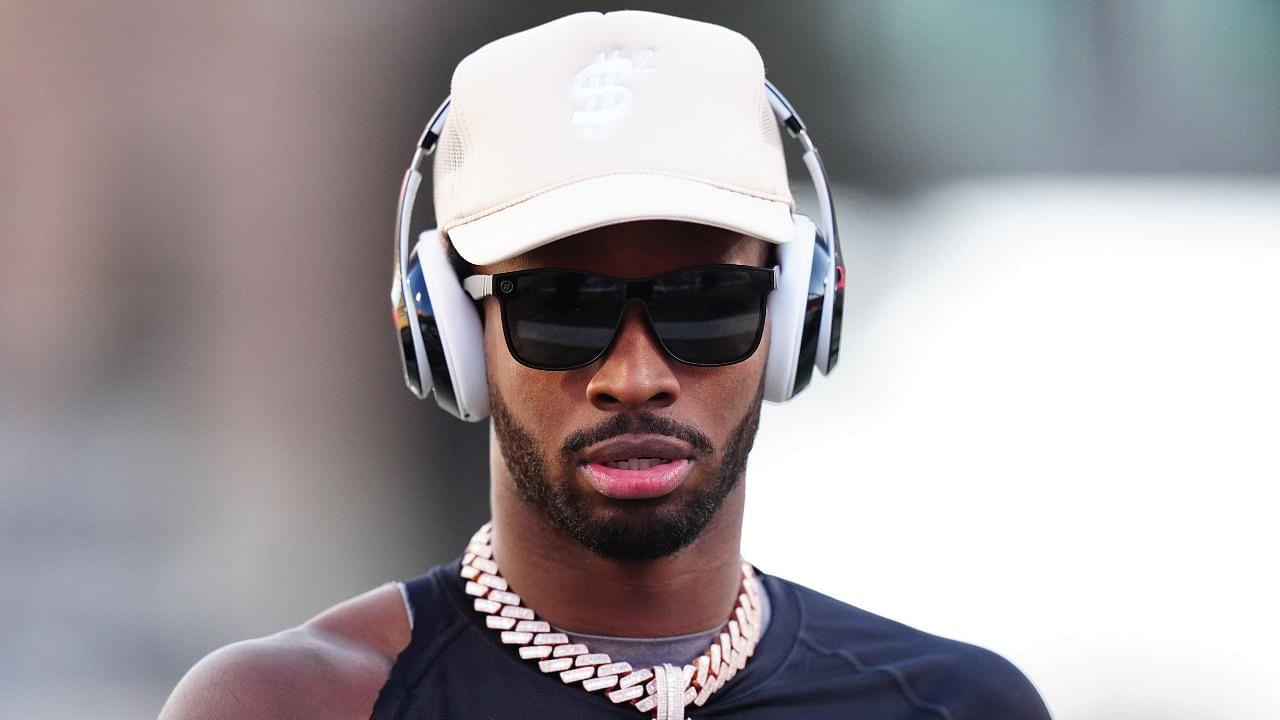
[{"x": 636, "y": 530}]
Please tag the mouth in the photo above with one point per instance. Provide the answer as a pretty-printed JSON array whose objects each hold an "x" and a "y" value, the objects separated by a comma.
[
  {"x": 638, "y": 467},
  {"x": 635, "y": 463}
]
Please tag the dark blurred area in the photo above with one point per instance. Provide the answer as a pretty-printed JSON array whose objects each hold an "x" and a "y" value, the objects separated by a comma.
[{"x": 204, "y": 434}]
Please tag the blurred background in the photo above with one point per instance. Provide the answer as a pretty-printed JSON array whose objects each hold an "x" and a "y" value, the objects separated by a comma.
[{"x": 1053, "y": 431}]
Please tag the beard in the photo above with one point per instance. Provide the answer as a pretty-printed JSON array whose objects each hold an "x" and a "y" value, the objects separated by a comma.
[{"x": 641, "y": 529}]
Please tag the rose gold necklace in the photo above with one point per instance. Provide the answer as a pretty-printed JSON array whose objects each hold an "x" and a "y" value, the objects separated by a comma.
[{"x": 665, "y": 689}]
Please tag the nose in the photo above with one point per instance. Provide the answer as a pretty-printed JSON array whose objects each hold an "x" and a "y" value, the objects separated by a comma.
[{"x": 635, "y": 373}]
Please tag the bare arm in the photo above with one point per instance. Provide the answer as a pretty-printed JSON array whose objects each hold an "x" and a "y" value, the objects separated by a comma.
[{"x": 331, "y": 667}]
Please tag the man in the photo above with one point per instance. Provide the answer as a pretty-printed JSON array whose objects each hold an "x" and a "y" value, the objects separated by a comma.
[{"x": 614, "y": 188}]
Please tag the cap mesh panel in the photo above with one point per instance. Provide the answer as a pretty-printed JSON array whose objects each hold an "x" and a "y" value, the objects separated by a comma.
[
  {"x": 450, "y": 176},
  {"x": 769, "y": 123}
]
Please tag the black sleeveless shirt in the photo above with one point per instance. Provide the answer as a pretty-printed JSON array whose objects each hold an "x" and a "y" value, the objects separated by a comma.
[{"x": 819, "y": 658}]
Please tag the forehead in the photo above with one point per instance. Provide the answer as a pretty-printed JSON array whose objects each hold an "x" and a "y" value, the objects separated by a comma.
[{"x": 641, "y": 249}]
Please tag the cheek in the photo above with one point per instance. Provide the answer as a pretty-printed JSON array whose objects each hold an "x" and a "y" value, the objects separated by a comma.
[
  {"x": 762, "y": 352},
  {"x": 718, "y": 398},
  {"x": 534, "y": 397},
  {"x": 507, "y": 377},
  {"x": 495, "y": 345},
  {"x": 748, "y": 374}
]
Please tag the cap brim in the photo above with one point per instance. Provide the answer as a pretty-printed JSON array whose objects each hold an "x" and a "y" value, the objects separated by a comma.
[{"x": 608, "y": 199}]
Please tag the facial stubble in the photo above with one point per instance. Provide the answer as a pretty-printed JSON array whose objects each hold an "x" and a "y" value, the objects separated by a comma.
[{"x": 641, "y": 529}]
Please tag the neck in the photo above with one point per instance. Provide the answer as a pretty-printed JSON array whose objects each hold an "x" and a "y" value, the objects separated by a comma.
[{"x": 572, "y": 588}]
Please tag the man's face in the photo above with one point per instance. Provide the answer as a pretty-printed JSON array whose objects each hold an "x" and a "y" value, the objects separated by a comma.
[{"x": 556, "y": 429}]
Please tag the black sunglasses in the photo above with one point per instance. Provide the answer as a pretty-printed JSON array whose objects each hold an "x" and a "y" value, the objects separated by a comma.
[{"x": 557, "y": 319}]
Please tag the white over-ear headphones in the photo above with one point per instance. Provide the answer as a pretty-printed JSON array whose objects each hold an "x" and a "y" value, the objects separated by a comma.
[{"x": 443, "y": 350}]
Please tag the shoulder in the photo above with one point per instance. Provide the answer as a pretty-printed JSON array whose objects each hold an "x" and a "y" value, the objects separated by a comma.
[
  {"x": 331, "y": 666},
  {"x": 956, "y": 679}
]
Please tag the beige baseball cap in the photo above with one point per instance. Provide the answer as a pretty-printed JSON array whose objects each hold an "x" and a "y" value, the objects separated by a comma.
[{"x": 600, "y": 118}]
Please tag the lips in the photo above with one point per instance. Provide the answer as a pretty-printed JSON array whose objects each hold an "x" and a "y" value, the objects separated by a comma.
[{"x": 637, "y": 467}]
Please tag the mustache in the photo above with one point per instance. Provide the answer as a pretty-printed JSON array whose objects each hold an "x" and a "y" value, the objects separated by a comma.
[{"x": 643, "y": 422}]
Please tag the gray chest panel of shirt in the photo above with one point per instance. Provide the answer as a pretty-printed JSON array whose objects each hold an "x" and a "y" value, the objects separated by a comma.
[{"x": 647, "y": 652}]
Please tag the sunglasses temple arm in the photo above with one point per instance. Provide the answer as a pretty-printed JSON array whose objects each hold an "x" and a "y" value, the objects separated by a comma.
[{"x": 478, "y": 286}]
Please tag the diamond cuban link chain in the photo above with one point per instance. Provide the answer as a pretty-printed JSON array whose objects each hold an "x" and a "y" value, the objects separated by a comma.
[{"x": 665, "y": 689}]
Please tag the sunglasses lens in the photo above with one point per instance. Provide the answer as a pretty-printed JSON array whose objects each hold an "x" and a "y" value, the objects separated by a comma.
[
  {"x": 559, "y": 319},
  {"x": 711, "y": 316}
]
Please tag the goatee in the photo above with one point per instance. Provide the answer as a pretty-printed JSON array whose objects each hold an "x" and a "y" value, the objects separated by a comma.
[{"x": 646, "y": 529}]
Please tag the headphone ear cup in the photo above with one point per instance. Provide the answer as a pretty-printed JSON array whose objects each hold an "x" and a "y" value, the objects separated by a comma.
[
  {"x": 794, "y": 317},
  {"x": 828, "y": 350},
  {"x": 452, "y": 334},
  {"x": 410, "y": 326}
]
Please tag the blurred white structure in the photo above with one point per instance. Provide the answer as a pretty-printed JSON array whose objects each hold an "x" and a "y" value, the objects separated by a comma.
[{"x": 1054, "y": 434}]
